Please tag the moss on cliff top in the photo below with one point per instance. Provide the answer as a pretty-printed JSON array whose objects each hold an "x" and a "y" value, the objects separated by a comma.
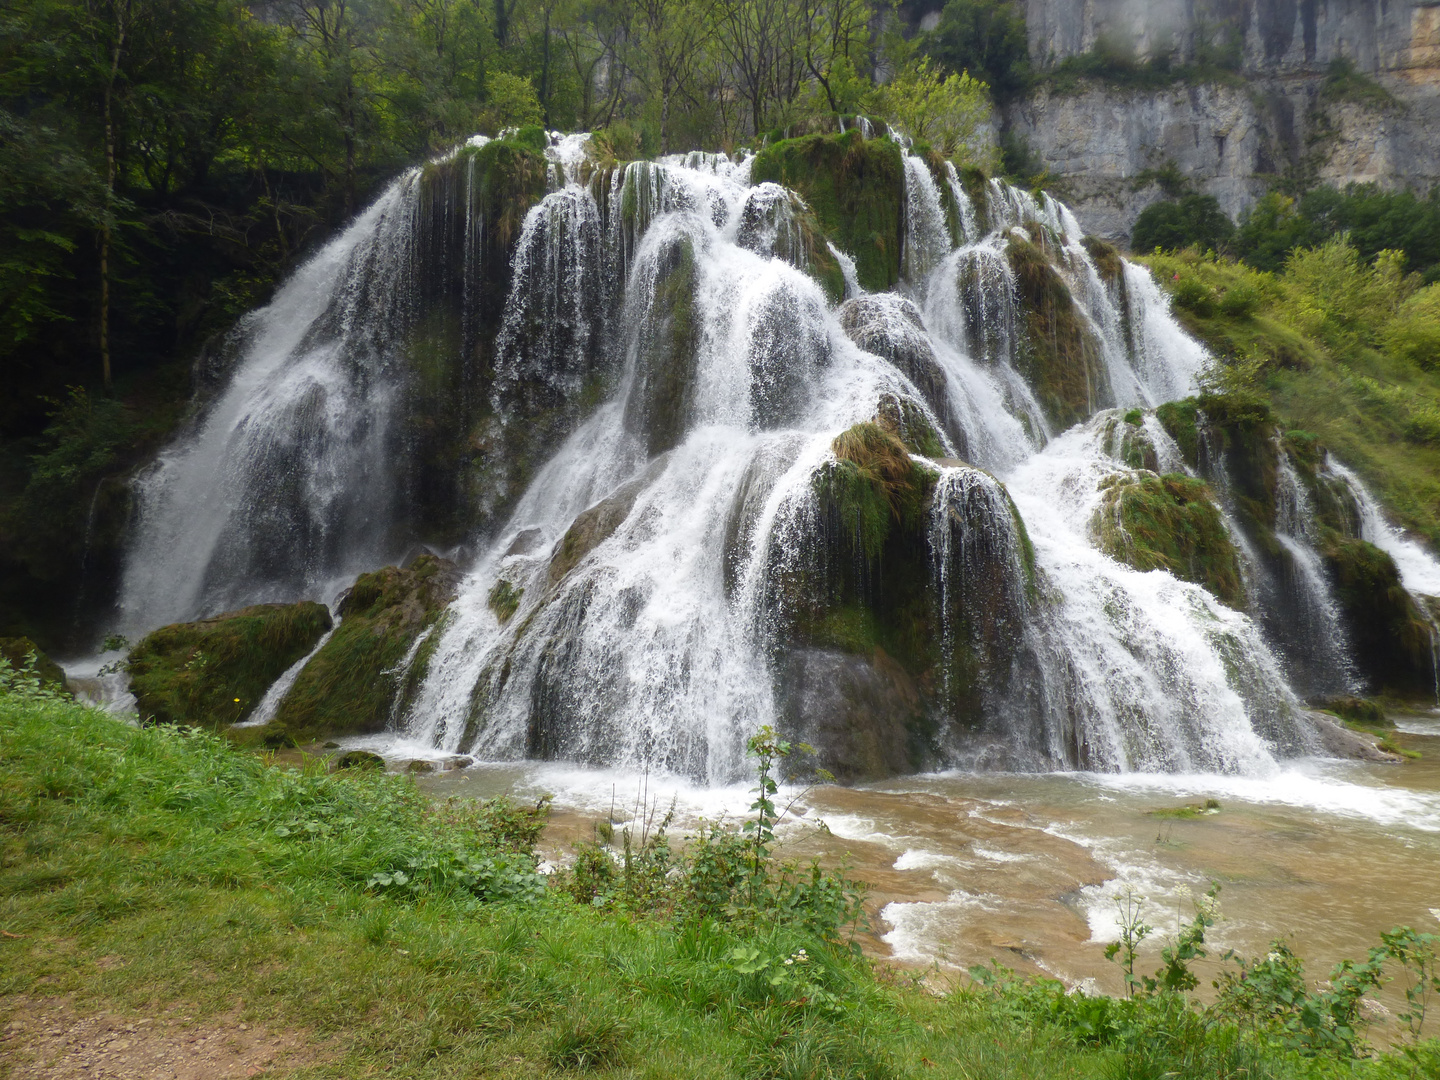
[
  {"x": 856, "y": 188},
  {"x": 1169, "y": 523},
  {"x": 214, "y": 672}
]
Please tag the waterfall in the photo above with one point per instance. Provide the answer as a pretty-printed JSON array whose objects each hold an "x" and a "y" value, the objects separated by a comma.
[
  {"x": 282, "y": 489},
  {"x": 651, "y": 433},
  {"x": 1325, "y": 650}
]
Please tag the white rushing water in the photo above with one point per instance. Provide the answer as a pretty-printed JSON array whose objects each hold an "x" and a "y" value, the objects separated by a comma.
[{"x": 656, "y": 552}]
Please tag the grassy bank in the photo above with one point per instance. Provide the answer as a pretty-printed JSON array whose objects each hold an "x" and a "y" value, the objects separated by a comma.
[
  {"x": 159, "y": 873},
  {"x": 1341, "y": 349}
]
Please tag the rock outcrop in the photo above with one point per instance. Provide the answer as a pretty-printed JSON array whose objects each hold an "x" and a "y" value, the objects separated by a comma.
[
  {"x": 215, "y": 671},
  {"x": 1257, "y": 89}
]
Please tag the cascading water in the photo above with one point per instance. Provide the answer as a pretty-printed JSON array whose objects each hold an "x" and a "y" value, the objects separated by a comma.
[
  {"x": 284, "y": 488},
  {"x": 679, "y": 575}
]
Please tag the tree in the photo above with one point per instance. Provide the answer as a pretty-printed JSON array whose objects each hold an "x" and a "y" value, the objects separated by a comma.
[
  {"x": 1174, "y": 224},
  {"x": 986, "y": 38},
  {"x": 947, "y": 113}
]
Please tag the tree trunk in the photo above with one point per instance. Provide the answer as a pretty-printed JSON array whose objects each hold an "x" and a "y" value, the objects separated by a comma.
[{"x": 106, "y": 223}]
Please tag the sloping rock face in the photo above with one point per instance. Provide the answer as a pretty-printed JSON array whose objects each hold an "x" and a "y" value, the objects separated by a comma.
[{"x": 1254, "y": 105}]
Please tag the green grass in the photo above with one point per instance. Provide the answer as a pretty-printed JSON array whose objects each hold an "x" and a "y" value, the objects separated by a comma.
[{"x": 212, "y": 882}]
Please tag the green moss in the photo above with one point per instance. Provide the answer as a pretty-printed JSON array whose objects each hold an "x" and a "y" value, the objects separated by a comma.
[
  {"x": 659, "y": 405},
  {"x": 977, "y": 187},
  {"x": 1128, "y": 441},
  {"x": 1180, "y": 419},
  {"x": 908, "y": 423},
  {"x": 856, "y": 189},
  {"x": 1169, "y": 523},
  {"x": 873, "y": 485},
  {"x": 1355, "y": 710},
  {"x": 850, "y": 628},
  {"x": 17, "y": 651},
  {"x": 215, "y": 672},
  {"x": 1187, "y": 813},
  {"x": 1107, "y": 260},
  {"x": 504, "y": 600},
  {"x": 1059, "y": 356},
  {"x": 351, "y": 685},
  {"x": 1389, "y": 635}
]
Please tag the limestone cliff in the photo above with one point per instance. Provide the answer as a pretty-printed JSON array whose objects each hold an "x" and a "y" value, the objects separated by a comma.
[{"x": 1256, "y": 95}]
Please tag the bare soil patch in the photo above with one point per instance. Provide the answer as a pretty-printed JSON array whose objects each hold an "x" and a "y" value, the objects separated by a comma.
[{"x": 55, "y": 1039}]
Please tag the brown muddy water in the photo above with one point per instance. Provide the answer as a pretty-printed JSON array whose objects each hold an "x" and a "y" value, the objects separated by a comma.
[{"x": 1024, "y": 869}]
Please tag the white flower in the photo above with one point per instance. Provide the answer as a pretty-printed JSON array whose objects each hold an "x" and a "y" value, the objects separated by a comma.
[{"x": 789, "y": 960}]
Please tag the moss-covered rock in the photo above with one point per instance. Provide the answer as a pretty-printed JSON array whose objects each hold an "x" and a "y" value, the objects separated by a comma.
[
  {"x": 856, "y": 189},
  {"x": 1390, "y": 637},
  {"x": 214, "y": 672},
  {"x": 900, "y": 619},
  {"x": 1127, "y": 440},
  {"x": 1059, "y": 356},
  {"x": 463, "y": 474},
  {"x": 862, "y": 712},
  {"x": 660, "y": 401},
  {"x": 1169, "y": 523},
  {"x": 352, "y": 685},
  {"x": 778, "y": 223},
  {"x": 18, "y": 652},
  {"x": 592, "y": 527}
]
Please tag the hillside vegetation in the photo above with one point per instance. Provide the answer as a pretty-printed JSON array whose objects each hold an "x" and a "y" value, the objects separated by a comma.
[{"x": 1344, "y": 349}]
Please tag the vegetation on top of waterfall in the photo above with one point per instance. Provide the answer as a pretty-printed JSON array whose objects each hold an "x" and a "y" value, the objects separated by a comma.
[
  {"x": 215, "y": 672},
  {"x": 855, "y": 187},
  {"x": 157, "y": 871},
  {"x": 1334, "y": 346},
  {"x": 1169, "y": 523},
  {"x": 873, "y": 485},
  {"x": 354, "y": 682}
]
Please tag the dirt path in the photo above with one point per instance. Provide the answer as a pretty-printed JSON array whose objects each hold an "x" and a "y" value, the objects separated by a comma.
[{"x": 52, "y": 1038}]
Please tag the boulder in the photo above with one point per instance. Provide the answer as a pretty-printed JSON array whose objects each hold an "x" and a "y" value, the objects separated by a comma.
[
  {"x": 214, "y": 672},
  {"x": 359, "y": 759},
  {"x": 17, "y": 651},
  {"x": 355, "y": 684},
  {"x": 1336, "y": 740}
]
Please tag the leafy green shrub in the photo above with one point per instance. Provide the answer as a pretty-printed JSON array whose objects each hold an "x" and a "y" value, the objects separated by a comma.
[
  {"x": 1174, "y": 224},
  {"x": 1413, "y": 334},
  {"x": 1194, "y": 295},
  {"x": 1241, "y": 301}
]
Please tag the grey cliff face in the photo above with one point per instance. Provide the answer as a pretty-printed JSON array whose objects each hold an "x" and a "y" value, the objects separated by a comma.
[{"x": 1234, "y": 136}]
